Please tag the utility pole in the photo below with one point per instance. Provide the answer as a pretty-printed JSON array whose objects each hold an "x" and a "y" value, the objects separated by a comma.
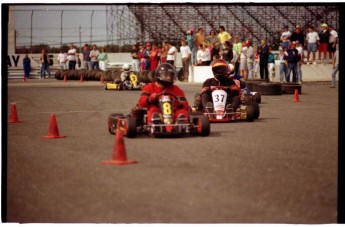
[
  {"x": 61, "y": 29},
  {"x": 80, "y": 39},
  {"x": 91, "y": 28},
  {"x": 32, "y": 14}
]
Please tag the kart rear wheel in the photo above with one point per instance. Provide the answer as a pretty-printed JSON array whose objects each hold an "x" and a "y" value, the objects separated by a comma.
[
  {"x": 203, "y": 126},
  {"x": 257, "y": 97},
  {"x": 250, "y": 112},
  {"x": 130, "y": 127},
  {"x": 112, "y": 122},
  {"x": 256, "y": 109}
]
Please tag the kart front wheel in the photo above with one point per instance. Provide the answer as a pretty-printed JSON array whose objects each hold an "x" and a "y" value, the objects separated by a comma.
[
  {"x": 250, "y": 113},
  {"x": 203, "y": 126},
  {"x": 112, "y": 122}
]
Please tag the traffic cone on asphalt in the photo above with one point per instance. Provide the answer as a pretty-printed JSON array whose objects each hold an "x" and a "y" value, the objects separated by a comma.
[
  {"x": 295, "y": 97},
  {"x": 102, "y": 79},
  {"x": 65, "y": 78},
  {"x": 119, "y": 151},
  {"x": 81, "y": 78},
  {"x": 53, "y": 132},
  {"x": 14, "y": 116}
]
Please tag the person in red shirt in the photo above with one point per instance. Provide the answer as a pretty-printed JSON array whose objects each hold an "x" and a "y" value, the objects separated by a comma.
[
  {"x": 154, "y": 57},
  {"x": 165, "y": 76}
]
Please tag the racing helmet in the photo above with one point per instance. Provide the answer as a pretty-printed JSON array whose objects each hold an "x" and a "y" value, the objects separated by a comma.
[
  {"x": 125, "y": 67},
  {"x": 165, "y": 74},
  {"x": 231, "y": 69},
  {"x": 220, "y": 68}
]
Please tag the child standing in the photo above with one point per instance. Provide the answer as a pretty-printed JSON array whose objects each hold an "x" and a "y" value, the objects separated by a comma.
[{"x": 271, "y": 65}]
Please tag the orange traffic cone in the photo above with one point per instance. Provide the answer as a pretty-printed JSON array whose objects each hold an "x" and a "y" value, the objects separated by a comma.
[
  {"x": 81, "y": 78},
  {"x": 14, "y": 116},
  {"x": 24, "y": 78},
  {"x": 65, "y": 78},
  {"x": 102, "y": 79},
  {"x": 53, "y": 132},
  {"x": 295, "y": 97},
  {"x": 119, "y": 151}
]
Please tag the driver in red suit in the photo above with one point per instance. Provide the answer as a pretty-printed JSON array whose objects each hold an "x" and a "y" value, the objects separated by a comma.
[{"x": 165, "y": 76}]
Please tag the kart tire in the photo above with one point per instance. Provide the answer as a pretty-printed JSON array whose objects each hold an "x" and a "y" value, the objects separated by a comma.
[
  {"x": 247, "y": 99},
  {"x": 130, "y": 127},
  {"x": 256, "y": 109},
  {"x": 250, "y": 112},
  {"x": 257, "y": 97},
  {"x": 203, "y": 126},
  {"x": 236, "y": 102},
  {"x": 150, "y": 76},
  {"x": 252, "y": 82},
  {"x": 112, "y": 122},
  {"x": 269, "y": 88},
  {"x": 180, "y": 75},
  {"x": 289, "y": 88}
]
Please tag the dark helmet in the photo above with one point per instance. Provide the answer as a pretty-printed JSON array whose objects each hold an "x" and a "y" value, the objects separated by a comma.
[
  {"x": 165, "y": 74},
  {"x": 220, "y": 68}
]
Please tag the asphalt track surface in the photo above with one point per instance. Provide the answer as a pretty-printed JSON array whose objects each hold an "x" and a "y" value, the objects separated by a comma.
[{"x": 281, "y": 168}]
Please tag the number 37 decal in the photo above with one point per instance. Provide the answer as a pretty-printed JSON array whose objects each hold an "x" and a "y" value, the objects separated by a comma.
[{"x": 219, "y": 98}]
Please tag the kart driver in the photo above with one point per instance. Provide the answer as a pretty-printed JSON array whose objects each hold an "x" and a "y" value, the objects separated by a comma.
[
  {"x": 165, "y": 76},
  {"x": 221, "y": 73}
]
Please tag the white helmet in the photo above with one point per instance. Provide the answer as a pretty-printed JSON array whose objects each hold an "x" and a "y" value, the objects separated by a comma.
[{"x": 125, "y": 67}]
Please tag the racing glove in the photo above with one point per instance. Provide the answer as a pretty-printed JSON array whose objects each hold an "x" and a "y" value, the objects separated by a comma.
[{"x": 153, "y": 98}]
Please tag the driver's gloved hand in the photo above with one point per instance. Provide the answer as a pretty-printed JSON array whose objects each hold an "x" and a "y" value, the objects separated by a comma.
[{"x": 153, "y": 98}]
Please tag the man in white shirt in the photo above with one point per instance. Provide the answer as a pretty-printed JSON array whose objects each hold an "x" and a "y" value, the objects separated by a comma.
[
  {"x": 172, "y": 52},
  {"x": 285, "y": 37},
  {"x": 94, "y": 57},
  {"x": 72, "y": 60},
  {"x": 333, "y": 40},
  {"x": 185, "y": 55},
  {"x": 312, "y": 41},
  {"x": 203, "y": 56}
]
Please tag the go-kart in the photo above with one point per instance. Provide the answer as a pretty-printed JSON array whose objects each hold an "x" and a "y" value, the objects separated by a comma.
[
  {"x": 221, "y": 112},
  {"x": 137, "y": 122},
  {"x": 130, "y": 83}
]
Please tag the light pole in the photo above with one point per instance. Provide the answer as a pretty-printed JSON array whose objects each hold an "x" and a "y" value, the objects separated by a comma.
[
  {"x": 61, "y": 29},
  {"x": 80, "y": 38},
  {"x": 91, "y": 28},
  {"x": 32, "y": 14}
]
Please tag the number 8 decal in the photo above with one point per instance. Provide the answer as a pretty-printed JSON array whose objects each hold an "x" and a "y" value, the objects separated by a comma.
[{"x": 166, "y": 108}]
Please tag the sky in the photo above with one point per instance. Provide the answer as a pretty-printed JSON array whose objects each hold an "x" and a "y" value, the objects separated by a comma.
[{"x": 46, "y": 24}]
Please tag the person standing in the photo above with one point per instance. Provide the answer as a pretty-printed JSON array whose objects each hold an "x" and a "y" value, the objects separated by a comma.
[
  {"x": 285, "y": 37},
  {"x": 154, "y": 57},
  {"x": 298, "y": 35},
  {"x": 86, "y": 57},
  {"x": 335, "y": 67},
  {"x": 312, "y": 41},
  {"x": 332, "y": 43},
  {"x": 171, "y": 57},
  {"x": 62, "y": 59},
  {"x": 94, "y": 57},
  {"x": 299, "y": 64},
  {"x": 71, "y": 57},
  {"x": 44, "y": 64},
  {"x": 223, "y": 36},
  {"x": 291, "y": 60},
  {"x": 186, "y": 56},
  {"x": 282, "y": 65},
  {"x": 146, "y": 55},
  {"x": 227, "y": 53},
  {"x": 237, "y": 47},
  {"x": 250, "y": 59},
  {"x": 27, "y": 65},
  {"x": 102, "y": 59},
  {"x": 135, "y": 58},
  {"x": 271, "y": 64},
  {"x": 243, "y": 61},
  {"x": 324, "y": 39},
  {"x": 263, "y": 56},
  {"x": 191, "y": 40}
]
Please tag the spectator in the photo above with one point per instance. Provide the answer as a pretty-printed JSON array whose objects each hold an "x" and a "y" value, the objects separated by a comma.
[
  {"x": 71, "y": 57},
  {"x": 291, "y": 60},
  {"x": 86, "y": 57},
  {"x": 256, "y": 61},
  {"x": 44, "y": 64},
  {"x": 215, "y": 52},
  {"x": 285, "y": 37},
  {"x": 282, "y": 65},
  {"x": 332, "y": 43},
  {"x": 212, "y": 39},
  {"x": 27, "y": 65},
  {"x": 263, "y": 53},
  {"x": 78, "y": 61},
  {"x": 237, "y": 46},
  {"x": 298, "y": 35},
  {"x": 271, "y": 64},
  {"x": 312, "y": 40},
  {"x": 199, "y": 39},
  {"x": 243, "y": 61},
  {"x": 94, "y": 57},
  {"x": 227, "y": 53},
  {"x": 323, "y": 46},
  {"x": 147, "y": 53},
  {"x": 135, "y": 58},
  {"x": 62, "y": 59},
  {"x": 164, "y": 53},
  {"x": 223, "y": 36},
  {"x": 335, "y": 67},
  {"x": 102, "y": 59},
  {"x": 203, "y": 55},
  {"x": 250, "y": 59},
  {"x": 154, "y": 57},
  {"x": 186, "y": 56},
  {"x": 191, "y": 40},
  {"x": 299, "y": 65},
  {"x": 172, "y": 52},
  {"x": 141, "y": 56}
]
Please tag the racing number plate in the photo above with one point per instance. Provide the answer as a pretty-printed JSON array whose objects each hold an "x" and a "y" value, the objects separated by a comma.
[
  {"x": 219, "y": 100},
  {"x": 166, "y": 108}
]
